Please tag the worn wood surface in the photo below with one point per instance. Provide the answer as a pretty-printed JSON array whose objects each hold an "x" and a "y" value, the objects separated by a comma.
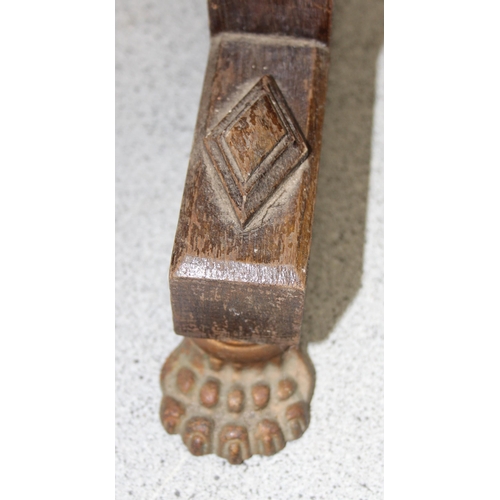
[
  {"x": 298, "y": 18},
  {"x": 240, "y": 255}
]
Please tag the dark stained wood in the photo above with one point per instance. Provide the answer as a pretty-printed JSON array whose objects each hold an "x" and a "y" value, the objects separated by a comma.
[
  {"x": 240, "y": 255},
  {"x": 297, "y": 18},
  {"x": 255, "y": 147}
]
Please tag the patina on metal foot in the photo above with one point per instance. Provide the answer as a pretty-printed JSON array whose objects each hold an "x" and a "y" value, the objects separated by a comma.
[
  {"x": 224, "y": 400},
  {"x": 239, "y": 384}
]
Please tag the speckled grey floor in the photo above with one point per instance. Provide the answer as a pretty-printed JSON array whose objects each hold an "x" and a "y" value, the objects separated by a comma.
[{"x": 161, "y": 55}]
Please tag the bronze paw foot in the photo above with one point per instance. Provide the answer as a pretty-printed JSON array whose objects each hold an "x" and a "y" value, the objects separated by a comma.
[{"x": 235, "y": 409}]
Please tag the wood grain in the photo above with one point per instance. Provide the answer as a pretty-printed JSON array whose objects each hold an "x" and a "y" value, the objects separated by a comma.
[
  {"x": 298, "y": 18},
  {"x": 242, "y": 245}
]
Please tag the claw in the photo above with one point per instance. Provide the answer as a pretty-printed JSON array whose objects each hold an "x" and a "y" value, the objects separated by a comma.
[
  {"x": 297, "y": 416},
  {"x": 233, "y": 444},
  {"x": 198, "y": 436},
  {"x": 269, "y": 438},
  {"x": 171, "y": 414}
]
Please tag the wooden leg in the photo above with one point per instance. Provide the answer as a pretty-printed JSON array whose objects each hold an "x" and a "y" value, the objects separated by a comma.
[{"x": 239, "y": 385}]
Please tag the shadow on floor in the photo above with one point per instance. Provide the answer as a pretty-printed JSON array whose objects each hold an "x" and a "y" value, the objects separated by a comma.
[{"x": 336, "y": 260}]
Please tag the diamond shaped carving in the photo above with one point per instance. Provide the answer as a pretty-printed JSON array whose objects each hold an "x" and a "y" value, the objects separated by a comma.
[{"x": 255, "y": 147}]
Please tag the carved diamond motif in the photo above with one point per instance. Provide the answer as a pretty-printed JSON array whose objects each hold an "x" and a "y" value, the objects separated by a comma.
[
  {"x": 254, "y": 135},
  {"x": 255, "y": 147}
]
